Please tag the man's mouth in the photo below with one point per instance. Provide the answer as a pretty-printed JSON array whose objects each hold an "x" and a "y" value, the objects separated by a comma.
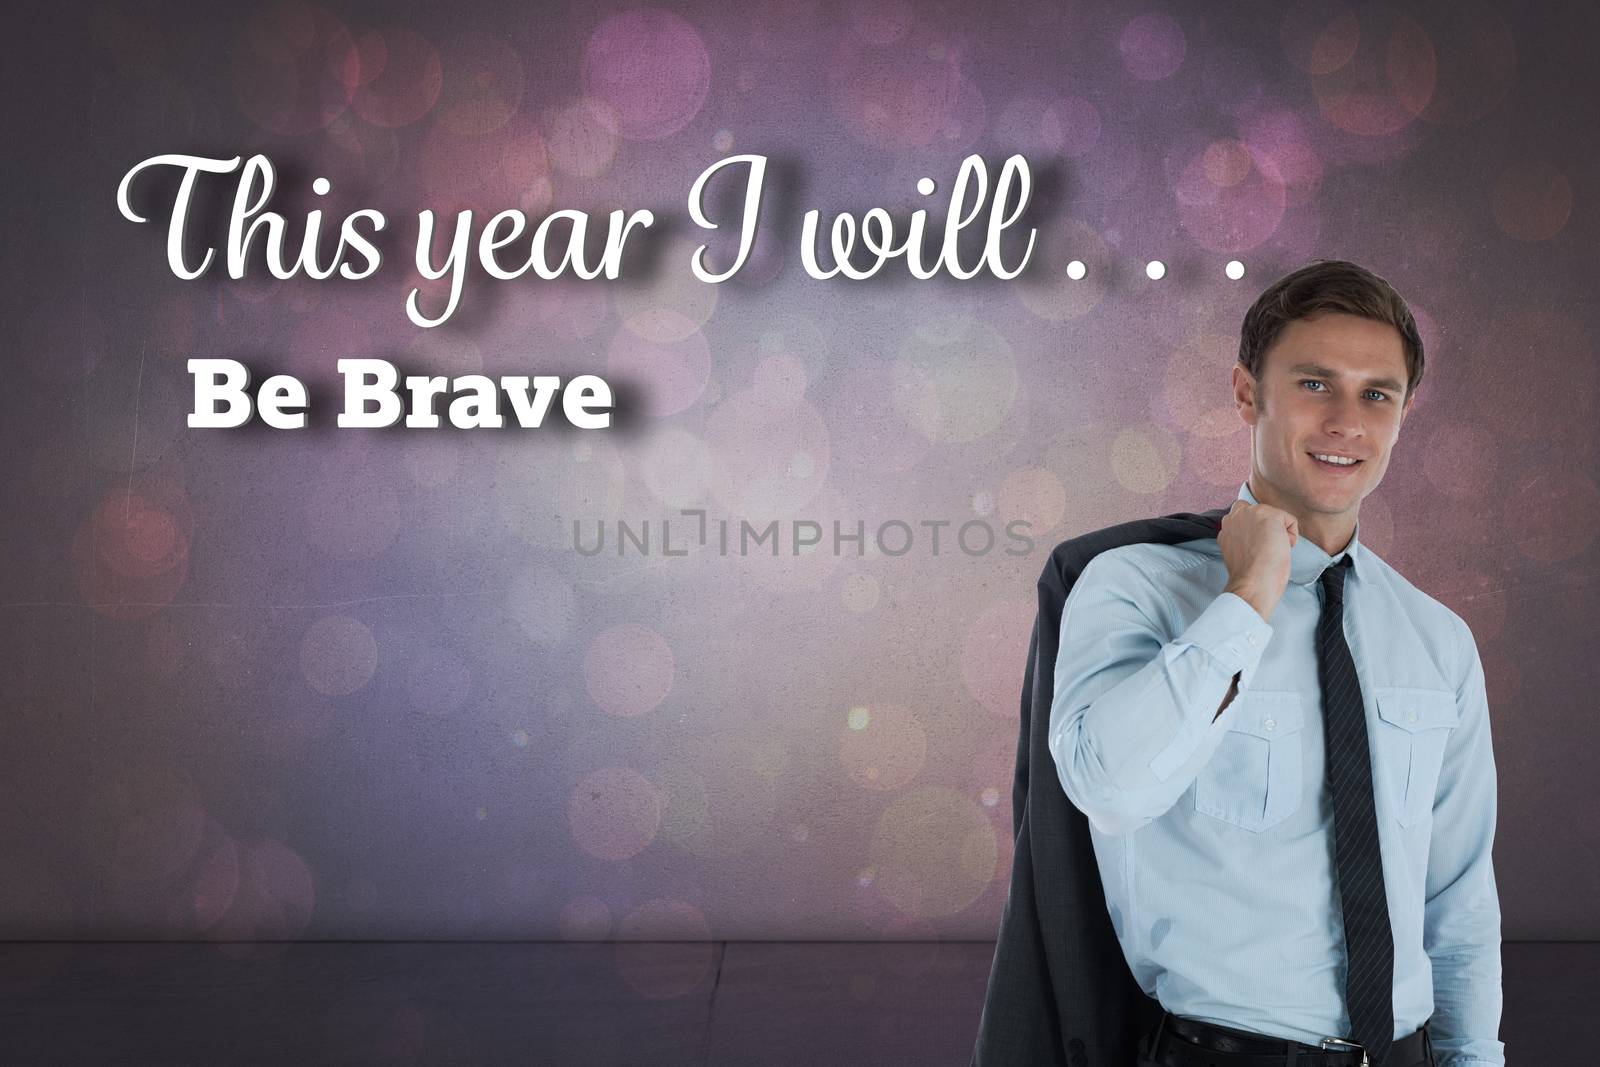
[{"x": 1333, "y": 461}]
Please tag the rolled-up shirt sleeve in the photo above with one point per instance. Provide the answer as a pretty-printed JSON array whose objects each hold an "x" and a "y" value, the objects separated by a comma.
[
  {"x": 1461, "y": 916},
  {"x": 1133, "y": 717}
]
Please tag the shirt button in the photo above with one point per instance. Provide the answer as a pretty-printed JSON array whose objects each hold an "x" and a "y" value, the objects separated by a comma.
[
  {"x": 1271, "y": 725},
  {"x": 1254, "y": 640},
  {"x": 1411, "y": 717}
]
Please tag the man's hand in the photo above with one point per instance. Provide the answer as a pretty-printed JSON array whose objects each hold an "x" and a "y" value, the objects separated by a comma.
[{"x": 1255, "y": 540}]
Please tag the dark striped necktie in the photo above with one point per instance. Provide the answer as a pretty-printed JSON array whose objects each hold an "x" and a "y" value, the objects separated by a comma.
[{"x": 1369, "y": 943}]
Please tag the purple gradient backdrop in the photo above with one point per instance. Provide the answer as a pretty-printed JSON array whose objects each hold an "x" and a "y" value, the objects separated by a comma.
[{"x": 352, "y": 684}]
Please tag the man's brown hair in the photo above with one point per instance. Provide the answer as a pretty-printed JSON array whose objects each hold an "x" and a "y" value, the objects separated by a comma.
[{"x": 1328, "y": 285}]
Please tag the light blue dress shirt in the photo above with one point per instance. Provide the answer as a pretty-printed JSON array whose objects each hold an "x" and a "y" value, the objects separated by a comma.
[{"x": 1215, "y": 838}]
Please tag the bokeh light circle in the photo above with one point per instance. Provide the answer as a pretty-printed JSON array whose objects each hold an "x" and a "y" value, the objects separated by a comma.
[
  {"x": 398, "y": 75},
  {"x": 1152, "y": 46},
  {"x": 1387, "y": 83},
  {"x": 1226, "y": 202},
  {"x": 860, "y": 593},
  {"x": 338, "y": 655},
  {"x": 651, "y": 67},
  {"x": 132, "y": 555},
  {"x": 675, "y": 466},
  {"x": 581, "y": 136},
  {"x": 1146, "y": 458},
  {"x": 1532, "y": 201},
  {"x": 673, "y": 304},
  {"x": 1319, "y": 37},
  {"x": 628, "y": 669},
  {"x": 934, "y": 853},
  {"x": 1033, "y": 495},
  {"x": 670, "y": 374},
  {"x": 272, "y": 893},
  {"x": 1282, "y": 148},
  {"x": 614, "y": 813}
]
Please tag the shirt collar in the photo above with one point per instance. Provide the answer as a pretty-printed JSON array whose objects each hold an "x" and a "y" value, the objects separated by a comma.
[{"x": 1307, "y": 560}]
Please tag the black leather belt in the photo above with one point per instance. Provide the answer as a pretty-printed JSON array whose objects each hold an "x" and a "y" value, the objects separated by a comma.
[{"x": 1182, "y": 1042}]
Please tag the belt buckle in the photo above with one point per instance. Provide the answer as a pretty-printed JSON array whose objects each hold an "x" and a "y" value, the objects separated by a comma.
[{"x": 1339, "y": 1044}]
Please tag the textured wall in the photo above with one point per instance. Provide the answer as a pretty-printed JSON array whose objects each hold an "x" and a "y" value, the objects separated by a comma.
[{"x": 354, "y": 683}]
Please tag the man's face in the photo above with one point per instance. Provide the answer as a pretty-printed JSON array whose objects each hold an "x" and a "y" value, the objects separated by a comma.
[{"x": 1331, "y": 383}]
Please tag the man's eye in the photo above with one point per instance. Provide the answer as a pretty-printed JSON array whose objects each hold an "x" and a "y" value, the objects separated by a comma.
[{"x": 1316, "y": 381}]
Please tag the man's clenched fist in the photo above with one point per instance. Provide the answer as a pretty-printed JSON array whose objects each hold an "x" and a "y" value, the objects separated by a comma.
[{"x": 1255, "y": 540}]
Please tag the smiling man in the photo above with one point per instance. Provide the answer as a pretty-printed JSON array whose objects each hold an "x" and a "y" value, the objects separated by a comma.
[{"x": 1282, "y": 746}]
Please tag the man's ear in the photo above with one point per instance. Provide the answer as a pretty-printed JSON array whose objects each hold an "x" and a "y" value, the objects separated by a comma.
[{"x": 1244, "y": 394}]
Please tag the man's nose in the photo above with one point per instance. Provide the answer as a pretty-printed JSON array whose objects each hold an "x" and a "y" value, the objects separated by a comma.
[{"x": 1346, "y": 419}]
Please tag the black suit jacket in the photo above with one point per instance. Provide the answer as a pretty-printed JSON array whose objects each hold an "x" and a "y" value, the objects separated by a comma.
[{"x": 1060, "y": 991}]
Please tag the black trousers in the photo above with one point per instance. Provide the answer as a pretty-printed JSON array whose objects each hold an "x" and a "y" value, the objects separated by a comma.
[
  {"x": 1221, "y": 1057},
  {"x": 1147, "y": 1046}
]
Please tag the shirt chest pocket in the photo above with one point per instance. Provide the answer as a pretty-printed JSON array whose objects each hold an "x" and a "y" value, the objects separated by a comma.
[
  {"x": 1254, "y": 778},
  {"x": 1413, "y": 728}
]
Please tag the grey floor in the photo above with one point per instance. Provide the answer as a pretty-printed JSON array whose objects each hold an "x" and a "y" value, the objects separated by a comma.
[{"x": 803, "y": 1003}]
